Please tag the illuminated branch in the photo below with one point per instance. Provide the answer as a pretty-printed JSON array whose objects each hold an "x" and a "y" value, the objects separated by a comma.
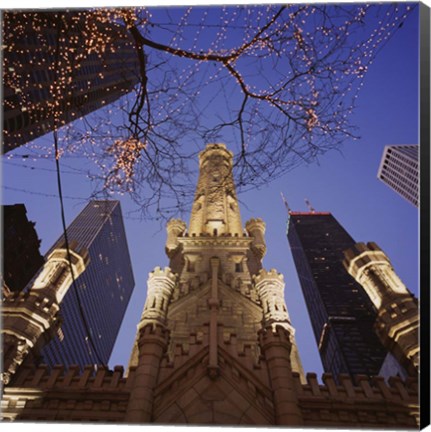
[{"x": 277, "y": 82}]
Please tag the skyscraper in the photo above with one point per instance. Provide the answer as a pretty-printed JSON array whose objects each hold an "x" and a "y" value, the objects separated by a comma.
[
  {"x": 54, "y": 73},
  {"x": 341, "y": 313},
  {"x": 94, "y": 309},
  {"x": 399, "y": 169}
]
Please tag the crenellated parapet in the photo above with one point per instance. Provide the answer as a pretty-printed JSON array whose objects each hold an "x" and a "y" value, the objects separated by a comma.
[
  {"x": 175, "y": 228},
  {"x": 361, "y": 402},
  {"x": 397, "y": 323},
  {"x": 256, "y": 229},
  {"x": 31, "y": 319},
  {"x": 93, "y": 394},
  {"x": 161, "y": 283}
]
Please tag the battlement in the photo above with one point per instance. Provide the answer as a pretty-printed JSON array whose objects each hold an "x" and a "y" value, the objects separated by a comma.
[
  {"x": 165, "y": 273},
  {"x": 255, "y": 223},
  {"x": 90, "y": 378},
  {"x": 362, "y": 402},
  {"x": 268, "y": 275},
  {"x": 361, "y": 387}
]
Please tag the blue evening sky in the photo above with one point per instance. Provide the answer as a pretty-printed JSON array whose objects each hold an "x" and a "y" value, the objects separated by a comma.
[{"x": 344, "y": 184}]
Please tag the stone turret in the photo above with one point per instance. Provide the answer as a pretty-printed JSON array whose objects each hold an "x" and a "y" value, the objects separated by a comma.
[
  {"x": 151, "y": 344},
  {"x": 30, "y": 320},
  {"x": 160, "y": 285},
  {"x": 397, "y": 323},
  {"x": 270, "y": 287}
]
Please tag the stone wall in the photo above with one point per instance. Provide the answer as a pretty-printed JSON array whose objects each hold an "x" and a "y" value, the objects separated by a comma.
[{"x": 236, "y": 397}]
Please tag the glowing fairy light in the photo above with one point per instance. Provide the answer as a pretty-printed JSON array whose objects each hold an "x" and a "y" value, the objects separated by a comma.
[{"x": 285, "y": 78}]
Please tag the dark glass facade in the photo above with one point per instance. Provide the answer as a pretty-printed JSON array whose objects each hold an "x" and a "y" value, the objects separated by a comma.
[
  {"x": 102, "y": 291},
  {"x": 341, "y": 313},
  {"x": 30, "y": 65}
]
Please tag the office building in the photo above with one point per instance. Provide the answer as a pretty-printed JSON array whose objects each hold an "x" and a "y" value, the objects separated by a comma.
[
  {"x": 399, "y": 169},
  {"x": 341, "y": 313},
  {"x": 94, "y": 307},
  {"x": 48, "y": 82},
  {"x": 21, "y": 258}
]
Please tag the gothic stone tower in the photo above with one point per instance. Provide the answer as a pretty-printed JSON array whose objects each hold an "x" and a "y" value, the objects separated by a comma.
[
  {"x": 215, "y": 344},
  {"x": 397, "y": 323}
]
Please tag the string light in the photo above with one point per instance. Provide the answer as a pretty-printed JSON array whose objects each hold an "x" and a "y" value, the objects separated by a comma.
[{"x": 284, "y": 78}]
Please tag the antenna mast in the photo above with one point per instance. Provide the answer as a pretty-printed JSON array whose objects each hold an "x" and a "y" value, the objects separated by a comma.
[
  {"x": 307, "y": 202},
  {"x": 285, "y": 203}
]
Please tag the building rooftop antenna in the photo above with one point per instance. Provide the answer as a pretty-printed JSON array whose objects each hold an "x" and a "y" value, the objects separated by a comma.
[
  {"x": 310, "y": 207},
  {"x": 285, "y": 203}
]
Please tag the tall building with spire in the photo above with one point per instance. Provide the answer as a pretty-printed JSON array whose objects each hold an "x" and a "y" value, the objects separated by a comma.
[
  {"x": 93, "y": 308},
  {"x": 53, "y": 73},
  {"x": 341, "y": 313}
]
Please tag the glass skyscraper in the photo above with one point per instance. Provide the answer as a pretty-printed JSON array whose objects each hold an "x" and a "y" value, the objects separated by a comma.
[
  {"x": 31, "y": 69},
  {"x": 399, "y": 169},
  {"x": 341, "y": 313},
  {"x": 101, "y": 292}
]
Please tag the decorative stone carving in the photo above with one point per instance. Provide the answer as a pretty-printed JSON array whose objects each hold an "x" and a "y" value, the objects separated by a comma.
[
  {"x": 174, "y": 228},
  {"x": 256, "y": 229},
  {"x": 160, "y": 284},
  {"x": 30, "y": 320}
]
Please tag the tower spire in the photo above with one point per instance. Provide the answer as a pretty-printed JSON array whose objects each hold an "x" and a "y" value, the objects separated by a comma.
[{"x": 215, "y": 208}]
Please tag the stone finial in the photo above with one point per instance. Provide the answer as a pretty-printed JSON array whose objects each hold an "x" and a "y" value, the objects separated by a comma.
[
  {"x": 174, "y": 228},
  {"x": 256, "y": 229}
]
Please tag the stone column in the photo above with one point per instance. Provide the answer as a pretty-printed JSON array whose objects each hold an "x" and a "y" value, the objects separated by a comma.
[
  {"x": 276, "y": 346},
  {"x": 152, "y": 343},
  {"x": 397, "y": 323},
  {"x": 30, "y": 320}
]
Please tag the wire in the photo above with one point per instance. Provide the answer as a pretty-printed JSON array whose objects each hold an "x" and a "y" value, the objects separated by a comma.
[
  {"x": 63, "y": 218},
  {"x": 69, "y": 257},
  {"x": 42, "y": 193}
]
